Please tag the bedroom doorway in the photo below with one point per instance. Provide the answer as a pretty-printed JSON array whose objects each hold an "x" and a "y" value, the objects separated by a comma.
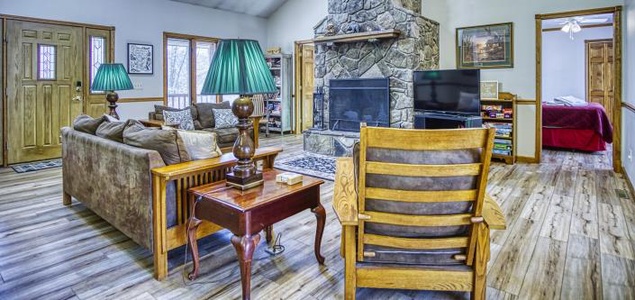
[{"x": 572, "y": 70}]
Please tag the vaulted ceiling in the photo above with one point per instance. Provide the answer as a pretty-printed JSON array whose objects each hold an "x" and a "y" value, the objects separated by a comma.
[{"x": 260, "y": 8}]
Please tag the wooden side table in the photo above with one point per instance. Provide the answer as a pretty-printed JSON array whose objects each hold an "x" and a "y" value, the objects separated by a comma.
[{"x": 246, "y": 213}]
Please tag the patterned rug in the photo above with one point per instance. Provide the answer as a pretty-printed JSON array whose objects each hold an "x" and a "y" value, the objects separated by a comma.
[
  {"x": 37, "y": 165},
  {"x": 311, "y": 164}
]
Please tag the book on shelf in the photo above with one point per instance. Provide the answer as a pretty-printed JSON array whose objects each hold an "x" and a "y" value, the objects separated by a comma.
[{"x": 502, "y": 152}]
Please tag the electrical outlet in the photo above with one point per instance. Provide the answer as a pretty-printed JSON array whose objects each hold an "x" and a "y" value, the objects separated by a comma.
[{"x": 138, "y": 85}]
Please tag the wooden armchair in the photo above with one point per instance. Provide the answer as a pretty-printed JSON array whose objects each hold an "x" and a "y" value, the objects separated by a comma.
[{"x": 416, "y": 215}]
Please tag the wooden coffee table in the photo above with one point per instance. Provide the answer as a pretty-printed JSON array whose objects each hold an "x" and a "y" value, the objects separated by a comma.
[{"x": 246, "y": 213}]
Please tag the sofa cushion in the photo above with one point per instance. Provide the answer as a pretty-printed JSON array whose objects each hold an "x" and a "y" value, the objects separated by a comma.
[
  {"x": 182, "y": 117},
  {"x": 167, "y": 142},
  {"x": 198, "y": 143},
  {"x": 206, "y": 115},
  {"x": 87, "y": 124},
  {"x": 114, "y": 130},
  {"x": 225, "y": 135},
  {"x": 159, "y": 109},
  {"x": 225, "y": 118}
]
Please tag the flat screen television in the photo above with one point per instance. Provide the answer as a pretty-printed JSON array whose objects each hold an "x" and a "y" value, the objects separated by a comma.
[{"x": 447, "y": 91}]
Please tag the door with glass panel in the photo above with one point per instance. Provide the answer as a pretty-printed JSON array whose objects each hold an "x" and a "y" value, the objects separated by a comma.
[
  {"x": 45, "y": 66},
  {"x": 187, "y": 61},
  {"x": 45, "y": 84}
]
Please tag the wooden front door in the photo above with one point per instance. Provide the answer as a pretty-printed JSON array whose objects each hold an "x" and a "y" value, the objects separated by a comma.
[
  {"x": 44, "y": 66},
  {"x": 306, "y": 93},
  {"x": 599, "y": 77}
]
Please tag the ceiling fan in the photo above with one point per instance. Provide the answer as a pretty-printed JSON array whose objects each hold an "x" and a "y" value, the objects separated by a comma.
[{"x": 573, "y": 25}]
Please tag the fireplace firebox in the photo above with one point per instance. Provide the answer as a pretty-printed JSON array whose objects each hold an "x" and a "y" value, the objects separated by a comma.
[{"x": 353, "y": 101}]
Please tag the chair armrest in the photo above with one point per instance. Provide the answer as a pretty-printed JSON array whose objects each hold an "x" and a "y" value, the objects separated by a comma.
[
  {"x": 493, "y": 214},
  {"x": 344, "y": 195}
]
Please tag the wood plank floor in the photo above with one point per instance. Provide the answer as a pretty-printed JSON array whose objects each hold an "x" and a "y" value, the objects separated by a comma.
[{"x": 571, "y": 235}]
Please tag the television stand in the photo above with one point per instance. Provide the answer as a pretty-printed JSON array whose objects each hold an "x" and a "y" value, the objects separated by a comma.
[{"x": 431, "y": 120}]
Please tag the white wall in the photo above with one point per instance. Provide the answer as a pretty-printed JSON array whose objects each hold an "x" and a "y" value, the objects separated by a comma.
[
  {"x": 628, "y": 117},
  {"x": 564, "y": 61},
  {"x": 440, "y": 11},
  {"x": 294, "y": 21},
  {"x": 462, "y": 13},
  {"x": 520, "y": 79},
  {"x": 143, "y": 21}
]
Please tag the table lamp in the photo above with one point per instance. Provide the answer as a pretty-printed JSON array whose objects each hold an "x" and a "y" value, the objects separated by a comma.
[
  {"x": 111, "y": 78},
  {"x": 239, "y": 67}
]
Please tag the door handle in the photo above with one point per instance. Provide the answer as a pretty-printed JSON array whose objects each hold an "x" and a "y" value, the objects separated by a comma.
[{"x": 77, "y": 98}]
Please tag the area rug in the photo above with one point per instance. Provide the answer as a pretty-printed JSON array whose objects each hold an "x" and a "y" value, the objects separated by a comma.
[
  {"x": 37, "y": 165},
  {"x": 311, "y": 164}
]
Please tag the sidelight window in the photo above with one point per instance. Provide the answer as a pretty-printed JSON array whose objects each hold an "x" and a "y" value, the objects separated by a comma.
[{"x": 97, "y": 56}]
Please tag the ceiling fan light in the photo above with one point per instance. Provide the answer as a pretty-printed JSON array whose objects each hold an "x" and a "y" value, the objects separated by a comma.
[
  {"x": 566, "y": 27},
  {"x": 576, "y": 27}
]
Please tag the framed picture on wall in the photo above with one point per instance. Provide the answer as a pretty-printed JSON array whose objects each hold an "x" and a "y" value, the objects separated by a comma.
[
  {"x": 485, "y": 46},
  {"x": 140, "y": 59},
  {"x": 489, "y": 90}
]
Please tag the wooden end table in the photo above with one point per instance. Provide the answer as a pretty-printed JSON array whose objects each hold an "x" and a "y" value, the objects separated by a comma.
[{"x": 246, "y": 213}]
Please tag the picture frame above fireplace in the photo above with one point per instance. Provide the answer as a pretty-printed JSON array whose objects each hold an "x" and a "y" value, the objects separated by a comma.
[{"x": 485, "y": 46}]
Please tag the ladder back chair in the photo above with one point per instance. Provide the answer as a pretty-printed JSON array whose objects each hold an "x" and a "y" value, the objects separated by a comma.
[{"x": 414, "y": 212}]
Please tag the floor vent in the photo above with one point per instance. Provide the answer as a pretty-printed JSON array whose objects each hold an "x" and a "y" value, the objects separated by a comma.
[{"x": 622, "y": 194}]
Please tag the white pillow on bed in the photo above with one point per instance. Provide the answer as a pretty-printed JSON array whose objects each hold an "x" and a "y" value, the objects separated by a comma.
[{"x": 570, "y": 101}]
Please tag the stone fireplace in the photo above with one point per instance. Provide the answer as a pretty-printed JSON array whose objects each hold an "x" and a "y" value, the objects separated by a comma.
[{"x": 415, "y": 48}]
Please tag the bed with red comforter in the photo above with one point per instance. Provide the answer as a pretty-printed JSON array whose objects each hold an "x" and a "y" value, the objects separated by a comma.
[{"x": 585, "y": 128}]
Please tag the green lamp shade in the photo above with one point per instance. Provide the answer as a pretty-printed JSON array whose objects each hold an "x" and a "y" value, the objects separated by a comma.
[
  {"x": 238, "y": 67},
  {"x": 111, "y": 77}
]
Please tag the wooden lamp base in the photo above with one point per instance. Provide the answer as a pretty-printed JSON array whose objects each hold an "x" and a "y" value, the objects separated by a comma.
[{"x": 244, "y": 175}]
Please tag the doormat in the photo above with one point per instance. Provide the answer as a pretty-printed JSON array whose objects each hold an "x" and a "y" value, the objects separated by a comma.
[
  {"x": 37, "y": 165},
  {"x": 315, "y": 165}
]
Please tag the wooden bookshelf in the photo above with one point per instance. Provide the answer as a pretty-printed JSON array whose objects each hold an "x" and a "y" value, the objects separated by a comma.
[{"x": 501, "y": 114}]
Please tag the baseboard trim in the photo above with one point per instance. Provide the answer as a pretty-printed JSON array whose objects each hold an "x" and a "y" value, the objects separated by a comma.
[
  {"x": 527, "y": 159},
  {"x": 629, "y": 182}
]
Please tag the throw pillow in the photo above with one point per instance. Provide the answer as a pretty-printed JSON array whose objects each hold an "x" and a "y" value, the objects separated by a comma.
[
  {"x": 224, "y": 118},
  {"x": 87, "y": 124},
  {"x": 111, "y": 130},
  {"x": 200, "y": 144},
  {"x": 206, "y": 115},
  {"x": 110, "y": 118},
  {"x": 183, "y": 118},
  {"x": 159, "y": 109},
  {"x": 167, "y": 142}
]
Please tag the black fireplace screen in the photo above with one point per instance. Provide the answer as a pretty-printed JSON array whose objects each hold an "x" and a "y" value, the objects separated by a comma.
[{"x": 352, "y": 101}]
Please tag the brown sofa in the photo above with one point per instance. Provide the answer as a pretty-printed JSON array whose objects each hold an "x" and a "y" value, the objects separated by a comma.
[
  {"x": 204, "y": 120},
  {"x": 126, "y": 185}
]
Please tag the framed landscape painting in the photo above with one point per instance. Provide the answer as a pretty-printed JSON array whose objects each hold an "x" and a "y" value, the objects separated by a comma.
[
  {"x": 486, "y": 46},
  {"x": 140, "y": 59}
]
